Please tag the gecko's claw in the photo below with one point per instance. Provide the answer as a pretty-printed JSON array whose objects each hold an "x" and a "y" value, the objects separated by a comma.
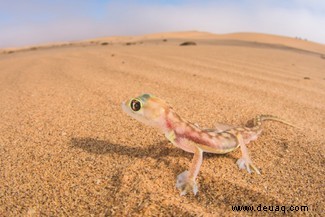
[
  {"x": 185, "y": 185},
  {"x": 247, "y": 164}
]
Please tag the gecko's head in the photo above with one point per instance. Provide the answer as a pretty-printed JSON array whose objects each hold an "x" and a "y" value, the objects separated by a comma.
[{"x": 147, "y": 109}]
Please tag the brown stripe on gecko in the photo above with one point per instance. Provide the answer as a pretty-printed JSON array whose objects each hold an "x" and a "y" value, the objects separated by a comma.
[
  {"x": 222, "y": 143},
  {"x": 257, "y": 120},
  {"x": 231, "y": 135},
  {"x": 226, "y": 135}
]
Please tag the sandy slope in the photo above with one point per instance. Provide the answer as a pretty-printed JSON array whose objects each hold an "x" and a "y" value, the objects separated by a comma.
[{"x": 66, "y": 148}]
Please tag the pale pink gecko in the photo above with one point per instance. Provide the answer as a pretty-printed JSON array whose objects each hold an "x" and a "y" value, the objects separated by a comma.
[{"x": 155, "y": 112}]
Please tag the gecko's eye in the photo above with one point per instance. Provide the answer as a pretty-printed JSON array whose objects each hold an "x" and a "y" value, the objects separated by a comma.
[{"x": 135, "y": 105}]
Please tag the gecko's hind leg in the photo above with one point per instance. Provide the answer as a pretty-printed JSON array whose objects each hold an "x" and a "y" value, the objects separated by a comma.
[{"x": 245, "y": 161}]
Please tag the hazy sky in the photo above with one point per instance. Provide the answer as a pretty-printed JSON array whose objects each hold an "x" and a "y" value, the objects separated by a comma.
[{"x": 26, "y": 22}]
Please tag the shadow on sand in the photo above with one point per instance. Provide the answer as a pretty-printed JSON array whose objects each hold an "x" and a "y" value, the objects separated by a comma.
[
  {"x": 97, "y": 146},
  {"x": 158, "y": 150}
]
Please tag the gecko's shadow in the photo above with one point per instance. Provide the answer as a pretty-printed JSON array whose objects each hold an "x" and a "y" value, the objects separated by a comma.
[
  {"x": 97, "y": 146},
  {"x": 158, "y": 150}
]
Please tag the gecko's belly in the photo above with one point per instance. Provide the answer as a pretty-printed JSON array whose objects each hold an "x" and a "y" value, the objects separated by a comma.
[
  {"x": 219, "y": 147},
  {"x": 218, "y": 150}
]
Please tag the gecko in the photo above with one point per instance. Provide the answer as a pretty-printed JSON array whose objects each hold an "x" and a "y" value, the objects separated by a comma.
[{"x": 153, "y": 111}]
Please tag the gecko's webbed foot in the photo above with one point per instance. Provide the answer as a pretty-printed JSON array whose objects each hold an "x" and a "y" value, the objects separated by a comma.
[
  {"x": 185, "y": 185},
  {"x": 247, "y": 164}
]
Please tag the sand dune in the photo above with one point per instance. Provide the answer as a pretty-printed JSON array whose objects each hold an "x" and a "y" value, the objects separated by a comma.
[{"x": 67, "y": 149}]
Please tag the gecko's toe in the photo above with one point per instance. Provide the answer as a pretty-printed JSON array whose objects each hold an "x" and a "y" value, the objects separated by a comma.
[
  {"x": 255, "y": 168},
  {"x": 241, "y": 163},
  {"x": 195, "y": 188},
  {"x": 185, "y": 185},
  {"x": 181, "y": 179},
  {"x": 247, "y": 164}
]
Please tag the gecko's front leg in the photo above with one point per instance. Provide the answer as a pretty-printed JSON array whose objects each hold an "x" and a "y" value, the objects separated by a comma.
[{"x": 186, "y": 180}]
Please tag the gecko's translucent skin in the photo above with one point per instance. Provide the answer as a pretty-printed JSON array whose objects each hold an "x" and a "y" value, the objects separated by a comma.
[{"x": 155, "y": 112}]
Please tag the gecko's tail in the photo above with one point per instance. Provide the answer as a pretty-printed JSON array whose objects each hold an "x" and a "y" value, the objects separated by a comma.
[{"x": 258, "y": 120}]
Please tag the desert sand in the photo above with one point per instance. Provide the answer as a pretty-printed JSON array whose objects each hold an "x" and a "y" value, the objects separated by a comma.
[{"x": 67, "y": 148}]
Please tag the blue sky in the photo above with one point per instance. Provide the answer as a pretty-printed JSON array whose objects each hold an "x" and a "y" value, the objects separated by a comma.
[{"x": 41, "y": 21}]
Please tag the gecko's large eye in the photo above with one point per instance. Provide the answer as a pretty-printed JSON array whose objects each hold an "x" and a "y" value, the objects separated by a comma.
[{"x": 135, "y": 105}]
